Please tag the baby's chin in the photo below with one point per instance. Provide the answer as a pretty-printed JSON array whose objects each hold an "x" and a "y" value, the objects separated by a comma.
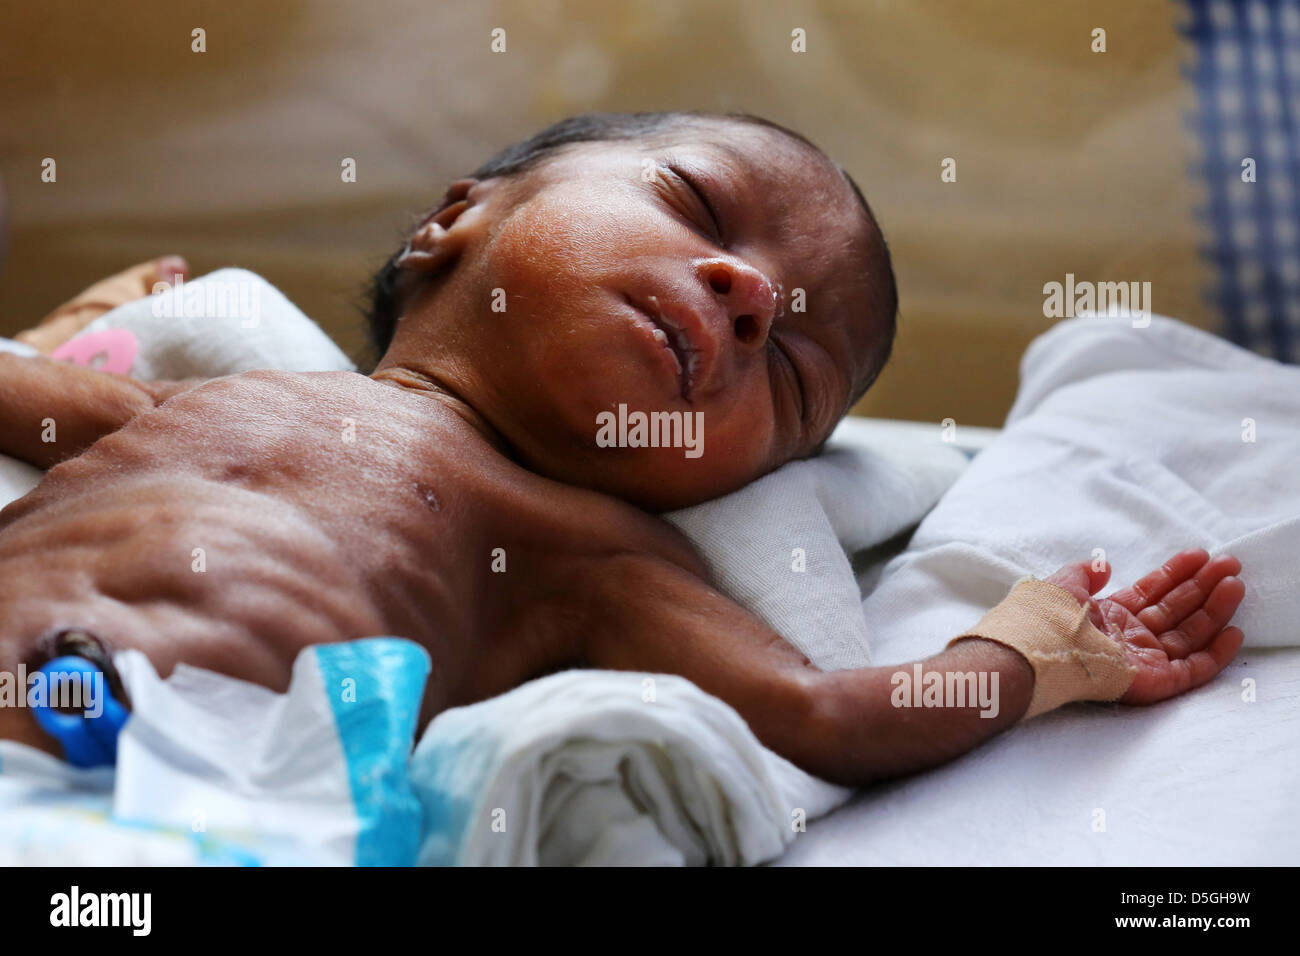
[
  {"x": 663, "y": 479},
  {"x": 643, "y": 445}
]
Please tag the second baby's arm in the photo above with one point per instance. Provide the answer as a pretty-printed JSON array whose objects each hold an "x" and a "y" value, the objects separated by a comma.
[
  {"x": 51, "y": 411},
  {"x": 842, "y": 726}
]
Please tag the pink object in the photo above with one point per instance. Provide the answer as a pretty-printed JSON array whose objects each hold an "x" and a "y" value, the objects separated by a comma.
[{"x": 108, "y": 350}]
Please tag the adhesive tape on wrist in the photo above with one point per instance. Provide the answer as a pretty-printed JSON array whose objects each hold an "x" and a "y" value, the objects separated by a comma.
[{"x": 1071, "y": 659}]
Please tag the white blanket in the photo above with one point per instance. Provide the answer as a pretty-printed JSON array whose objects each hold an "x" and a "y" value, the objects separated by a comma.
[
  {"x": 1129, "y": 440},
  {"x": 1137, "y": 441},
  {"x": 598, "y": 768}
]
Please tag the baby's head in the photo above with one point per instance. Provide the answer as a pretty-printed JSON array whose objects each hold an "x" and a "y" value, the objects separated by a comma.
[{"x": 719, "y": 267}]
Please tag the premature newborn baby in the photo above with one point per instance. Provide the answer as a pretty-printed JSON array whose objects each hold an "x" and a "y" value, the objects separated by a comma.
[{"x": 471, "y": 495}]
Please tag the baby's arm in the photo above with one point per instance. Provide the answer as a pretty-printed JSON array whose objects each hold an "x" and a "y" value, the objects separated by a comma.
[
  {"x": 51, "y": 411},
  {"x": 104, "y": 296},
  {"x": 843, "y": 726}
]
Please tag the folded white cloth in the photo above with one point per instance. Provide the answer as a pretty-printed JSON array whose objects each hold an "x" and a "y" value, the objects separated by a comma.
[
  {"x": 230, "y": 321},
  {"x": 857, "y": 494},
  {"x": 603, "y": 768}
]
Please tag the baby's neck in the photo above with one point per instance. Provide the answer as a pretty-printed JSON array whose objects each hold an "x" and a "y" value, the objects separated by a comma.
[{"x": 442, "y": 398}]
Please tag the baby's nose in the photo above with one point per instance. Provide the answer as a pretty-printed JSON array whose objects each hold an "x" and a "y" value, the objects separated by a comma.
[{"x": 751, "y": 299}]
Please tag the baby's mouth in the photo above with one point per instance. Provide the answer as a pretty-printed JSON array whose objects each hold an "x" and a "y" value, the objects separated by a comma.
[{"x": 674, "y": 339}]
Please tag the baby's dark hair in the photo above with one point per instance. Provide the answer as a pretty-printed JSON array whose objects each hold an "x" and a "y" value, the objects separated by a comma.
[{"x": 385, "y": 303}]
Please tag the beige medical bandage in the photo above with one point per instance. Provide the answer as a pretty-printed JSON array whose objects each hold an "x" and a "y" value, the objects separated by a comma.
[{"x": 1072, "y": 660}]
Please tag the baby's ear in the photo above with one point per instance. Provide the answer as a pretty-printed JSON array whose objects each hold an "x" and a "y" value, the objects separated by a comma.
[
  {"x": 459, "y": 190},
  {"x": 441, "y": 238}
]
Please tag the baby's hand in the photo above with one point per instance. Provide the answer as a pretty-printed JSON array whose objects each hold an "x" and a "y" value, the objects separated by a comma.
[
  {"x": 69, "y": 319},
  {"x": 1171, "y": 623}
]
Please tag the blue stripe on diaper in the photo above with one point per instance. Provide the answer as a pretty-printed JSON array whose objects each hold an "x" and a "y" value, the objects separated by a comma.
[{"x": 375, "y": 687}]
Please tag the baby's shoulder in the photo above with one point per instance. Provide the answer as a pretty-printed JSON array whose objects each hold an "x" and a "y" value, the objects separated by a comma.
[
  {"x": 274, "y": 385},
  {"x": 596, "y": 528}
]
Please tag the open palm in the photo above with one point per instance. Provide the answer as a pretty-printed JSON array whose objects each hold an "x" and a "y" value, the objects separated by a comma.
[{"x": 1172, "y": 623}]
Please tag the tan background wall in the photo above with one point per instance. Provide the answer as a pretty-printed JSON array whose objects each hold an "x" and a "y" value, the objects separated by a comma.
[{"x": 1067, "y": 161}]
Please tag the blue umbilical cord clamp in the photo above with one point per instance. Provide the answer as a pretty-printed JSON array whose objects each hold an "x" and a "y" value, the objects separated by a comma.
[{"x": 87, "y": 741}]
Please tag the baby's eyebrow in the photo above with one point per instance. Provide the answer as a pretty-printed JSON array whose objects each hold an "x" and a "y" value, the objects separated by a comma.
[
  {"x": 737, "y": 155},
  {"x": 733, "y": 159}
]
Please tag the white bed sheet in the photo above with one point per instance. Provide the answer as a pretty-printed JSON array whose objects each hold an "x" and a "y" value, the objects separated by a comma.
[{"x": 1204, "y": 779}]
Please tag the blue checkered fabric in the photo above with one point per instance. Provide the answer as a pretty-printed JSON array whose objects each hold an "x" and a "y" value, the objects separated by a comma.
[{"x": 1247, "y": 76}]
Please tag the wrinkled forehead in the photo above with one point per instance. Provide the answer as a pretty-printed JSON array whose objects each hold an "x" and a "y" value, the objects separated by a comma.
[{"x": 803, "y": 194}]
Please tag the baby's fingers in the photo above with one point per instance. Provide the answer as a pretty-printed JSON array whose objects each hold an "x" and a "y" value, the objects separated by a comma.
[
  {"x": 1161, "y": 581},
  {"x": 1155, "y": 683},
  {"x": 1202, "y": 667},
  {"x": 1081, "y": 579},
  {"x": 1206, "y": 621},
  {"x": 1186, "y": 598}
]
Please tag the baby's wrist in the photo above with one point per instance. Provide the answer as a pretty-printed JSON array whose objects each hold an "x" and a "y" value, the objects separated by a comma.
[{"x": 1071, "y": 660}]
